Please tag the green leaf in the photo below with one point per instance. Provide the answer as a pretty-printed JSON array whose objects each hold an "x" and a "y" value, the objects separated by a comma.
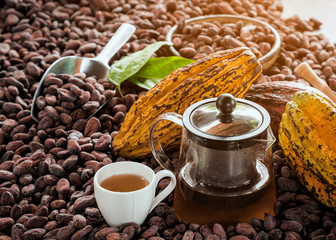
[
  {"x": 146, "y": 83},
  {"x": 129, "y": 65},
  {"x": 158, "y": 68}
]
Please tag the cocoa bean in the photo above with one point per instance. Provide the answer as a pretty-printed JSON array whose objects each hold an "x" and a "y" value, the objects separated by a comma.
[
  {"x": 212, "y": 237},
  {"x": 102, "y": 234},
  {"x": 187, "y": 52},
  {"x": 75, "y": 179},
  {"x": 28, "y": 190},
  {"x": 70, "y": 162},
  {"x": 36, "y": 222},
  {"x": 64, "y": 218},
  {"x": 93, "y": 212},
  {"x": 100, "y": 156},
  {"x": 291, "y": 226},
  {"x": 33, "y": 70},
  {"x": 23, "y": 219},
  {"x": 91, "y": 106},
  {"x": 261, "y": 236},
  {"x": 119, "y": 117},
  {"x": 61, "y": 155},
  {"x": 170, "y": 220},
  {"x": 7, "y": 165},
  {"x": 188, "y": 235},
  {"x": 43, "y": 210},
  {"x": 17, "y": 231},
  {"x": 81, "y": 233},
  {"x": 286, "y": 197},
  {"x": 65, "y": 95},
  {"x": 103, "y": 142},
  {"x": 197, "y": 236},
  {"x": 119, "y": 108},
  {"x": 52, "y": 80},
  {"x": 6, "y": 175},
  {"x": 24, "y": 204},
  {"x": 79, "y": 221},
  {"x": 51, "y": 225},
  {"x": 65, "y": 118},
  {"x": 292, "y": 236},
  {"x": 86, "y": 175},
  {"x": 219, "y": 231},
  {"x": 246, "y": 230},
  {"x": 4, "y": 48},
  {"x": 239, "y": 237},
  {"x": 130, "y": 231},
  {"x": 45, "y": 122},
  {"x": 170, "y": 233},
  {"x": 65, "y": 232},
  {"x": 269, "y": 222},
  {"x": 6, "y": 223},
  {"x": 23, "y": 167},
  {"x": 87, "y": 147},
  {"x": 287, "y": 184},
  {"x": 306, "y": 199},
  {"x": 52, "y": 113},
  {"x": 8, "y": 125},
  {"x": 158, "y": 221},
  {"x": 7, "y": 199},
  {"x": 57, "y": 204},
  {"x": 194, "y": 227},
  {"x": 10, "y": 107},
  {"x": 51, "y": 234},
  {"x": 83, "y": 202},
  {"x": 16, "y": 211},
  {"x": 83, "y": 98},
  {"x": 275, "y": 234},
  {"x": 205, "y": 231},
  {"x": 150, "y": 232},
  {"x": 73, "y": 147},
  {"x": 56, "y": 170},
  {"x": 92, "y": 126},
  {"x": 115, "y": 236},
  {"x": 14, "y": 145},
  {"x": 87, "y": 48},
  {"x": 257, "y": 223},
  {"x": 32, "y": 208}
]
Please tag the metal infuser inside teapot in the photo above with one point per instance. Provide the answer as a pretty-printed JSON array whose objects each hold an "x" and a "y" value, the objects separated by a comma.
[{"x": 224, "y": 172}]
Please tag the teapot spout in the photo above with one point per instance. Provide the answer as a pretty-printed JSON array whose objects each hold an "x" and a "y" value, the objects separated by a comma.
[
  {"x": 270, "y": 138},
  {"x": 266, "y": 142}
]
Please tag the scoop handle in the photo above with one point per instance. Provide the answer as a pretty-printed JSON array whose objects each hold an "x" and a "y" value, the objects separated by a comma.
[
  {"x": 307, "y": 73},
  {"x": 120, "y": 37}
]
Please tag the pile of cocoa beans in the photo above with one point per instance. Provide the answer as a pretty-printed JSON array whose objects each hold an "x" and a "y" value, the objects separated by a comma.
[
  {"x": 197, "y": 40},
  {"x": 46, "y": 171}
]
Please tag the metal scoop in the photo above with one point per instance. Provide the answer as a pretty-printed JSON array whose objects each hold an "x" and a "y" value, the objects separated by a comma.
[{"x": 97, "y": 66}]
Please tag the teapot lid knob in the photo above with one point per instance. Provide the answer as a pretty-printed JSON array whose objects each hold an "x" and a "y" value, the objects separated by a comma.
[{"x": 226, "y": 103}]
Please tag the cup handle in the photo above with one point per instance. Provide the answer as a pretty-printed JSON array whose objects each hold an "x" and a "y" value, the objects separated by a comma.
[
  {"x": 154, "y": 141},
  {"x": 162, "y": 195}
]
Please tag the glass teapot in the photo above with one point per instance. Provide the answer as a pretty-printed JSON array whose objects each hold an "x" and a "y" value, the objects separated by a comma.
[{"x": 224, "y": 173}]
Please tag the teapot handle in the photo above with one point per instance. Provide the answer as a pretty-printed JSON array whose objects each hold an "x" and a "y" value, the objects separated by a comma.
[{"x": 154, "y": 140}]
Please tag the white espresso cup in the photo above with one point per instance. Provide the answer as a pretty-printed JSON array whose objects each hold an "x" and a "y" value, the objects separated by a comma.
[{"x": 118, "y": 208}]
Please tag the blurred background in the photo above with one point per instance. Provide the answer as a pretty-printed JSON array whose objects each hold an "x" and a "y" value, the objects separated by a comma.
[{"x": 322, "y": 10}]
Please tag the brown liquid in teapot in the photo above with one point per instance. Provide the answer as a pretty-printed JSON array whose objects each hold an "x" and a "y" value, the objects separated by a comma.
[{"x": 226, "y": 208}]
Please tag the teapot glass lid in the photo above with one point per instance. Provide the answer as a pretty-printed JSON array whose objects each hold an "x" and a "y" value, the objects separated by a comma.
[{"x": 226, "y": 119}]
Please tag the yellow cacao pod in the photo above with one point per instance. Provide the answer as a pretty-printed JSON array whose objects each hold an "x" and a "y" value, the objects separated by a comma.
[
  {"x": 230, "y": 71},
  {"x": 307, "y": 136}
]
